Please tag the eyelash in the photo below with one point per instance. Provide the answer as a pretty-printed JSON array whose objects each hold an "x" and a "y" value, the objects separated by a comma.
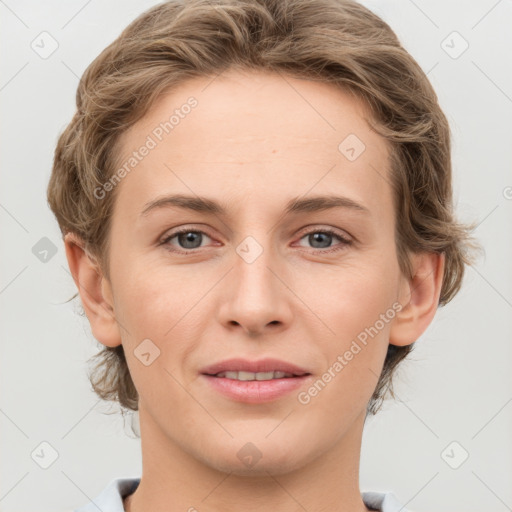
[{"x": 345, "y": 241}]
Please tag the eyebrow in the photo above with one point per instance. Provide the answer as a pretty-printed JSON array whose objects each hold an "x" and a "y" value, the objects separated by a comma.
[{"x": 210, "y": 206}]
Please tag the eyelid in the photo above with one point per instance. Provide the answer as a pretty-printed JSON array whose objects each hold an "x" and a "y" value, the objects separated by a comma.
[
  {"x": 327, "y": 229},
  {"x": 180, "y": 229}
]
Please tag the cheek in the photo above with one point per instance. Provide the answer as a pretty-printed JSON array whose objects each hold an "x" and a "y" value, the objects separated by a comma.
[
  {"x": 355, "y": 296},
  {"x": 359, "y": 306},
  {"x": 159, "y": 319},
  {"x": 154, "y": 300}
]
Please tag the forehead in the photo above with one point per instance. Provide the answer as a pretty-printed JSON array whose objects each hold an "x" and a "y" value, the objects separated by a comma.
[{"x": 254, "y": 134}]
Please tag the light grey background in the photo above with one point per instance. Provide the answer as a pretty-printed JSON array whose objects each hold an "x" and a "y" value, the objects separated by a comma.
[{"x": 455, "y": 387}]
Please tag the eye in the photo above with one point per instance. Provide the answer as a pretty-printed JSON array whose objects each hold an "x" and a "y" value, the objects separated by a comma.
[
  {"x": 321, "y": 239},
  {"x": 187, "y": 239}
]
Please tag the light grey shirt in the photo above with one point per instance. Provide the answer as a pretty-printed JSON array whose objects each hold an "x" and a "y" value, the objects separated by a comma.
[{"x": 111, "y": 498}]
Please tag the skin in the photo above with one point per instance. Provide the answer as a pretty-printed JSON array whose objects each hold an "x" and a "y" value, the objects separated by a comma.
[{"x": 255, "y": 141}]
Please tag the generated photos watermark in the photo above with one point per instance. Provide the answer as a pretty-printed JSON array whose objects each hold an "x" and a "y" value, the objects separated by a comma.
[
  {"x": 152, "y": 140},
  {"x": 304, "y": 397}
]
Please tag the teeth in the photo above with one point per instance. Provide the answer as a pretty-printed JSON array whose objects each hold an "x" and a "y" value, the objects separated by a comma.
[{"x": 254, "y": 376}]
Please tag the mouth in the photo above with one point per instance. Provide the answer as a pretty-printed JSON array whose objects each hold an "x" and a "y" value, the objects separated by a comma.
[
  {"x": 245, "y": 369},
  {"x": 255, "y": 382},
  {"x": 249, "y": 376}
]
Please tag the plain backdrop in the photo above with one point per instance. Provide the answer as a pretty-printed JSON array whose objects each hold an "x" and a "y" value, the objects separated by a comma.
[{"x": 444, "y": 444}]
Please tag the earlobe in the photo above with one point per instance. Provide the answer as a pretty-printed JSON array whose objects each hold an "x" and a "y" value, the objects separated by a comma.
[
  {"x": 95, "y": 292},
  {"x": 419, "y": 297}
]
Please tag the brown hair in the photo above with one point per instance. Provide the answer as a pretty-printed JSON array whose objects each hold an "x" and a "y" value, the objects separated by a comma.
[{"x": 335, "y": 41}]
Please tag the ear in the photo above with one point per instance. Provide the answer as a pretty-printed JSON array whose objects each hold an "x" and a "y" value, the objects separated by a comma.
[
  {"x": 95, "y": 291},
  {"x": 419, "y": 298}
]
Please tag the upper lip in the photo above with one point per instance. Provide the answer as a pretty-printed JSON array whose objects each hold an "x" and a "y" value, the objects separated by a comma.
[{"x": 263, "y": 365}]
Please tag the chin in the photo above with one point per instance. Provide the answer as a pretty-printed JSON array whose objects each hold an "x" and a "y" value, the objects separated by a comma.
[{"x": 250, "y": 461}]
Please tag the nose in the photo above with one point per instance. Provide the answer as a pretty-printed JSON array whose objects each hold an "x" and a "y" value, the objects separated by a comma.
[{"x": 256, "y": 296}]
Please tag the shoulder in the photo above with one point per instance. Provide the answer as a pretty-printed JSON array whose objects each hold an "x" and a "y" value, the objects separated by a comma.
[
  {"x": 383, "y": 502},
  {"x": 111, "y": 497}
]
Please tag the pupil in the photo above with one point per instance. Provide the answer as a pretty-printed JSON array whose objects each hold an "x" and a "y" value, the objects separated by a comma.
[
  {"x": 188, "y": 238},
  {"x": 314, "y": 238}
]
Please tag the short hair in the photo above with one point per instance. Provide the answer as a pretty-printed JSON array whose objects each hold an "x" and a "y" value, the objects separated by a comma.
[{"x": 339, "y": 42}]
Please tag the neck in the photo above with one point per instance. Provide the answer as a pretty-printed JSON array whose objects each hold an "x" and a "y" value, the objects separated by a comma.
[{"x": 173, "y": 480}]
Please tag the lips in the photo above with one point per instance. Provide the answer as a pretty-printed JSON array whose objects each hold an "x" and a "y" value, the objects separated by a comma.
[
  {"x": 255, "y": 382},
  {"x": 261, "y": 366}
]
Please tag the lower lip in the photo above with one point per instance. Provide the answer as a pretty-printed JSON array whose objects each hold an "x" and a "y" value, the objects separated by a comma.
[{"x": 255, "y": 391}]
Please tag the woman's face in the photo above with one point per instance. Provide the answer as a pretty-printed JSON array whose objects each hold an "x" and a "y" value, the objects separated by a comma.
[{"x": 254, "y": 279}]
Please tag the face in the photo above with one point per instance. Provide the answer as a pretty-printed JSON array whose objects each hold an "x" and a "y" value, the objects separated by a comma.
[{"x": 252, "y": 278}]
